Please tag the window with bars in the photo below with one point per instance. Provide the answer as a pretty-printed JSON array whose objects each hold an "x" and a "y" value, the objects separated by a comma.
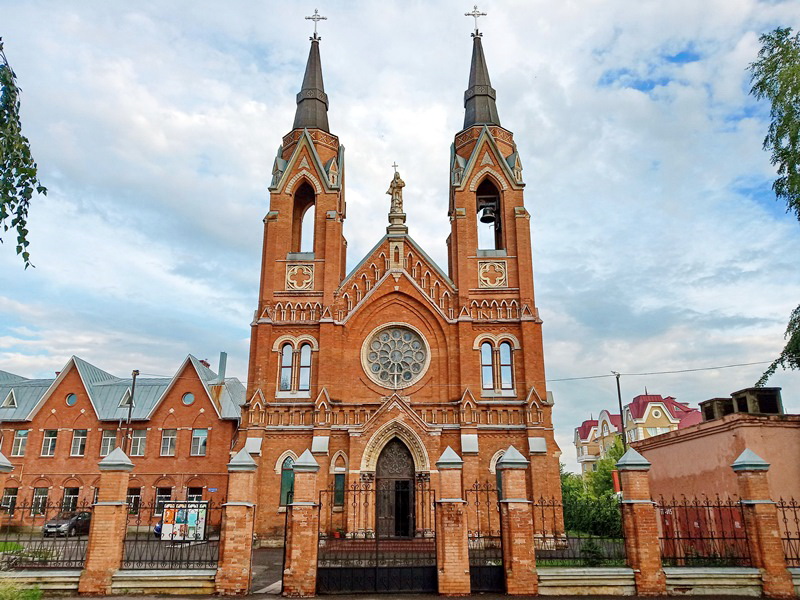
[
  {"x": 169, "y": 439},
  {"x": 108, "y": 442},
  {"x": 134, "y": 500},
  {"x": 199, "y": 442},
  {"x": 69, "y": 501},
  {"x": 49, "y": 442},
  {"x": 39, "y": 502},
  {"x": 20, "y": 442},
  {"x": 138, "y": 441},
  {"x": 9, "y": 500},
  {"x": 163, "y": 494},
  {"x": 78, "y": 447}
]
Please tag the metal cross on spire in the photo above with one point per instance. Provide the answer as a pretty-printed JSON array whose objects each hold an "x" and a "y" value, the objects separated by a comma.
[
  {"x": 316, "y": 17},
  {"x": 475, "y": 14},
  {"x": 395, "y": 165}
]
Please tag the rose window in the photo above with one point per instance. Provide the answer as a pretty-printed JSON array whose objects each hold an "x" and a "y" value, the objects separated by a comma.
[{"x": 395, "y": 357}]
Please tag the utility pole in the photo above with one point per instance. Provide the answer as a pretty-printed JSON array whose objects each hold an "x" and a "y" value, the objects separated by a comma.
[
  {"x": 128, "y": 439},
  {"x": 621, "y": 415}
]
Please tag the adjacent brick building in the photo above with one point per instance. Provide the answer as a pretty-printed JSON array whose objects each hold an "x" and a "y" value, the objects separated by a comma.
[
  {"x": 55, "y": 431},
  {"x": 398, "y": 358}
]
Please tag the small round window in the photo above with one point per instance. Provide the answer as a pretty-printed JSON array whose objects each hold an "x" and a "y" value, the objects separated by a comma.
[
  {"x": 72, "y": 399},
  {"x": 656, "y": 413},
  {"x": 188, "y": 398}
]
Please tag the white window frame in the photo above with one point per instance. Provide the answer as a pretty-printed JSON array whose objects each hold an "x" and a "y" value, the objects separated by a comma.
[
  {"x": 20, "y": 442},
  {"x": 80, "y": 440},
  {"x": 49, "y": 443},
  {"x": 138, "y": 442},
  {"x": 195, "y": 451},
  {"x": 39, "y": 501},
  {"x": 108, "y": 442},
  {"x": 171, "y": 440}
]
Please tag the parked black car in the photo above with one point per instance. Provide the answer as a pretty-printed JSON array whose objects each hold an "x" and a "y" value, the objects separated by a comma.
[{"x": 68, "y": 523}]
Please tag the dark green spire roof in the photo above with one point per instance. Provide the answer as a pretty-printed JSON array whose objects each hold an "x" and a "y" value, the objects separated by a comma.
[
  {"x": 479, "y": 99},
  {"x": 312, "y": 101}
]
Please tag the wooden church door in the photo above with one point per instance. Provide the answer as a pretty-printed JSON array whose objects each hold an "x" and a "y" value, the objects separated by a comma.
[{"x": 395, "y": 485}]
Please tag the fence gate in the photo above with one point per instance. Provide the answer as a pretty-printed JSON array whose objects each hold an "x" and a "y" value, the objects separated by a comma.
[
  {"x": 485, "y": 539},
  {"x": 377, "y": 537}
]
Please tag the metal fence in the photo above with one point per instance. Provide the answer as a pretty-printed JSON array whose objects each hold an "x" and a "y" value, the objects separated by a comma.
[
  {"x": 484, "y": 538},
  {"x": 172, "y": 535},
  {"x": 789, "y": 520},
  {"x": 703, "y": 532},
  {"x": 557, "y": 546},
  {"x": 41, "y": 534}
]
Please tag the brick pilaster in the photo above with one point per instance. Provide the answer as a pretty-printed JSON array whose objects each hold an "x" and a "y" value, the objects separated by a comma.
[
  {"x": 452, "y": 547},
  {"x": 236, "y": 535},
  {"x": 639, "y": 522},
  {"x": 300, "y": 569},
  {"x": 109, "y": 521},
  {"x": 516, "y": 523},
  {"x": 761, "y": 521}
]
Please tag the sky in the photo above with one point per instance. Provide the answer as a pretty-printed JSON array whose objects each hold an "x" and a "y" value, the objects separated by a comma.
[{"x": 658, "y": 243}]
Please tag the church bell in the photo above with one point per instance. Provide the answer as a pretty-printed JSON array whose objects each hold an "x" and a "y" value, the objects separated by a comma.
[{"x": 488, "y": 214}]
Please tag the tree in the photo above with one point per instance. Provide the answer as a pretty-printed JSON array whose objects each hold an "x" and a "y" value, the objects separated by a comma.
[
  {"x": 18, "y": 170},
  {"x": 601, "y": 480},
  {"x": 775, "y": 76}
]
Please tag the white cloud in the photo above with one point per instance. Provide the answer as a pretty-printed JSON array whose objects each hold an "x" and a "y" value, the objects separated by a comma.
[{"x": 656, "y": 243}]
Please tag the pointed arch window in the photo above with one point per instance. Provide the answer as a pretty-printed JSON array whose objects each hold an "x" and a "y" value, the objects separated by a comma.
[
  {"x": 490, "y": 216},
  {"x": 303, "y": 218},
  {"x": 506, "y": 367},
  {"x": 287, "y": 481}
]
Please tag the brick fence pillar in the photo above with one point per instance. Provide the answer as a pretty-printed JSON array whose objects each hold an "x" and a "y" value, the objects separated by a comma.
[
  {"x": 516, "y": 523},
  {"x": 761, "y": 521},
  {"x": 452, "y": 547},
  {"x": 109, "y": 521},
  {"x": 640, "y": 525},
  {"x": 236, "y": 534},
  {"x": 300, "y": 569}
]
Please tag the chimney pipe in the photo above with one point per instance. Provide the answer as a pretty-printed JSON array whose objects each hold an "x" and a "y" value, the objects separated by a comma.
[{"x": 223, "y": 362}]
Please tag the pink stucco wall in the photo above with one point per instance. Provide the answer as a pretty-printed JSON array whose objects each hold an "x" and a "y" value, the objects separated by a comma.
[{"x": 696, "y": 460}]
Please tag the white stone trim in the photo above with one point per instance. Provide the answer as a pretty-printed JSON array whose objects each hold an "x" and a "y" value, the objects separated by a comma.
[
  {"x": 307, "y": 174},
  {"x": 283, "y": 457}
]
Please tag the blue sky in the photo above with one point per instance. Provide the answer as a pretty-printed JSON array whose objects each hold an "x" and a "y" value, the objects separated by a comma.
[{"x": 657, "y": 243}]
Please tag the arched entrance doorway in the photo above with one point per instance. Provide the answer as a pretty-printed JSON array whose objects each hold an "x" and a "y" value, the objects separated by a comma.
[{"x": 395, "y": 487}]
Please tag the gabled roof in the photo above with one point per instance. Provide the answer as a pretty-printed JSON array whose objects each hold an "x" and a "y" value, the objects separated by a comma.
[
  {"x": 585, "y": 428},
  {"x": 305, "y": 141},
  {"x": 105, "y": 392},
  {"x": 615, "y": 420},
  {"x": 486, "y": 139},
  {"x": 676, "y": 410}
]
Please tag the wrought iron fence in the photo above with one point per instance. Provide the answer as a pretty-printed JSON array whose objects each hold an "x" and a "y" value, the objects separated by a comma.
[
  {"x": 41, "y": 534},
  {"x": 172, "y": 535},
  {"x": 377, "y": 537},
  {"x": 484, "y": 538},
  {"x": 703, "y": 532},
  {"x": 789, "y": 518},
  {"x": 557, "y": 546}
]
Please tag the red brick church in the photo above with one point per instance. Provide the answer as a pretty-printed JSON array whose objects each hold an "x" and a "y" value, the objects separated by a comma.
[{"x": 377, "y": 371}]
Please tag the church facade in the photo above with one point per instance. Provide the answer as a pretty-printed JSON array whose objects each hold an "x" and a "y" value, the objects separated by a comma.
[{"x": 377, "y": 371}]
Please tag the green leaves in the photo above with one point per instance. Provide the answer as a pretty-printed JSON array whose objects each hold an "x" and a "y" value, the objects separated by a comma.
[
  {"x": 18, "y": 171},
  {"x": 775, "y": 76}
]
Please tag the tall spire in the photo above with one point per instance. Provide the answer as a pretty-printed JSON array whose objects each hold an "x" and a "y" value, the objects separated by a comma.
[
  {"x": 479, "y": 99},
  {"x": 312, "y": 101}
]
